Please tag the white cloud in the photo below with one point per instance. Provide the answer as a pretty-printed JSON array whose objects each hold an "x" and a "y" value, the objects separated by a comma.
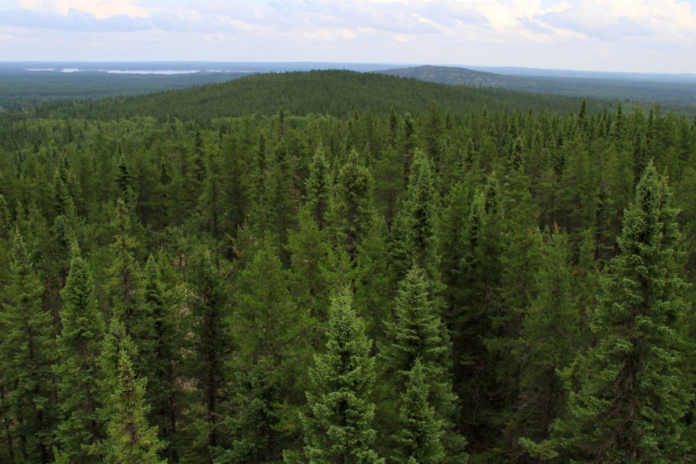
[
  {"x": 544, "y": 33},
  {"x": 98, "y": 8}
]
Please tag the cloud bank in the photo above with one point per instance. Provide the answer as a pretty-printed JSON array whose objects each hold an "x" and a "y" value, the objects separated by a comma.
[{"x": 628, "y": 35}]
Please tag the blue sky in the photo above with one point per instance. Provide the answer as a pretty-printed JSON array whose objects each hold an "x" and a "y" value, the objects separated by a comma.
[{"x": 610, "y": 35}]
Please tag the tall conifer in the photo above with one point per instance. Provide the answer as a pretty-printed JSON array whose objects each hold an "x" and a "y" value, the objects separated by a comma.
[
  {"x": 630, "y": 392},
  {"x": 338, "y": 427},
  {"x": 77, "y": 370},
  {"x": 27, "y": 351}
]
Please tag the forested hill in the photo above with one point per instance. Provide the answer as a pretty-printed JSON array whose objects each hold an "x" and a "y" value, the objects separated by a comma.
[
  {"x": 678, "y": 95},
  {"x": 453, "y": 76},
  {"x": 325, "y": 92}
]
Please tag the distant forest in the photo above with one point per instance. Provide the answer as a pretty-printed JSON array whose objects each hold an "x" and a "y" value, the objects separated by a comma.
[
  {"x": 24, "y": 86},
  {"x": 335, "y": 267}
]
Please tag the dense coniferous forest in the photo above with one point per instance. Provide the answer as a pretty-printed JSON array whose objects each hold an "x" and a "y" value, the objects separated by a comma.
[{"x": 341, "y": 278}]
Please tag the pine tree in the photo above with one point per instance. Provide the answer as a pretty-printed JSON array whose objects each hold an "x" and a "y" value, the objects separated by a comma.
[
  {"x": 78, "y": 369},
  {"x": 130, "y": 439},
  {"x": 630, "y": 392},
  {"x": 27, "y": 351},
  {"x": 420, "y": 436},
  {"x": 338, "y": 425}
]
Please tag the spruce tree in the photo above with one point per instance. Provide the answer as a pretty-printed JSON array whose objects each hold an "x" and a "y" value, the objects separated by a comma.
[
  {"x": 210, "y": 201},
  {"x": 549, "y": 342},
  {"x": 310, "y": 255},
  {"x": 338, "y": 426},
  {"x": 351, "y": 207},
  {"x": 417, "y": 222},
  {"x": 27, "y": 351},
  {"x": 125, "y": 289},
  {"x": 270, "y": 364},
  {"x": 420, "y": 434},
  {"x": 78, "y": 370},
  {"x": 630, "y": 392},
  {"x": 417, "y": 334},
  {"x": 5, "y": 219},
  {"x": 163, "y": 392},
  {"x": 209, "y": 344},
  {"x": 319, "y": 188},
  {"x": 373, "y": 280},
  {"x": 130, "y": 439}
]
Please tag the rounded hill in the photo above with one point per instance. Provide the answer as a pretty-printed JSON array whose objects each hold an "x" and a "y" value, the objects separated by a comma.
[{"x": 333, "y": 92}]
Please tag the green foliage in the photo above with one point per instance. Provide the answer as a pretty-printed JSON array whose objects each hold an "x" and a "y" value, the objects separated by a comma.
[
  {"x": 418, "y": 220},
  {"x": 27, "y": 351},
  {"x": 351, "y": 207},
  {"x": 420, "y": 436},
  {"x": 417, "y": 336},
  {"x": 212, "y": 244},
  {"x": 324, "y": 92},
  {"x": 272, "y": 335},
  {"x": 310, "y": 265},
  {"x": 338, "y": 425},
  {"x": 210, "y": 344},
  {"x": 630, "y": 392},
  {"x": 129, "y": 436},
  {"x": 318, "y": 188},
  {"x": 549, "y": 340},
  {"x": 164, "y": 366},
  {"x": 78, "y": 369}
]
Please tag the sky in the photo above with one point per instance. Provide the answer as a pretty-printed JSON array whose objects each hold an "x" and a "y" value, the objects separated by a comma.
[{"x": 657, "y": 36}]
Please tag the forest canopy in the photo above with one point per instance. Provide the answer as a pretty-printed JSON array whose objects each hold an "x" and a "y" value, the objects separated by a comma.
[{"x": 333, "y": 267}]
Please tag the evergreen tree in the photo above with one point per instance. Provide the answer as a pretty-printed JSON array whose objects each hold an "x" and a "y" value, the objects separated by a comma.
[
  {"x": 78, "y": 370},
  {"x": 351, "y": 208},
  {"x": 420, "y": 436},
  {"x": 209, "y": 345},
  {"x": 373, "y": 280},
  {"x": 310, "y": 256},
  {"x": 417, "y": 334},
  {"x": 27, "y": 351},
  {"x": 130, "y": 439},
  {"x": 319, "y": 188},
  {"x": 163, "y": 391},
  {"x": 210, "y": 201},
  {"x": 272, "y": 335},
  {"x": 125, "y": 285},
  {"x": 338, "y": 426},
  {"x": 549, "y": 341},
  {"x": 5, "y": 219},
  {"x": 630, "y": 392},
  {"x": 418, "y": 221}
]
